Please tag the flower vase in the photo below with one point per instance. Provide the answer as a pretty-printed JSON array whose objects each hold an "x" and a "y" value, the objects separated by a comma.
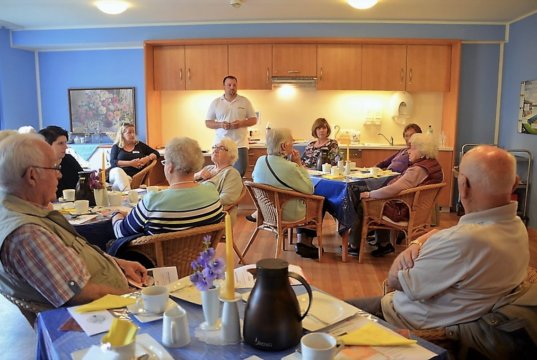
[
  {"x": 210, "y": 304},
  {"x": 101, "y": 197},
  {"x": 83, "y": 191}
]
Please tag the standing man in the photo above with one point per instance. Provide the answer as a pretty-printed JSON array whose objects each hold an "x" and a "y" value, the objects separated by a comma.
[{"x": 230, "y": 115}]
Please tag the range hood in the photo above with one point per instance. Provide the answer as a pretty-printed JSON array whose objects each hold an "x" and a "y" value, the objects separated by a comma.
[{"x": 301, "y": 81}]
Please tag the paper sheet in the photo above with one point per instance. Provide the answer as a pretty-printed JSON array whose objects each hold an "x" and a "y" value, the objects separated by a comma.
[{"x": 94, "y": 322}]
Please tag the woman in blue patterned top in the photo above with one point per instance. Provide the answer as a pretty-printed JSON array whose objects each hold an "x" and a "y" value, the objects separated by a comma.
[{"x": 185, "y": 204}]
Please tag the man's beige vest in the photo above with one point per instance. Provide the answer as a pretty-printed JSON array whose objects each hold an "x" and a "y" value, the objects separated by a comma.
[{"x": 15, "y": 212}]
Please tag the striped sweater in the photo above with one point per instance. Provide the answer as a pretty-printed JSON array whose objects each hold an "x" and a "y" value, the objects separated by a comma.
[{"x": 172, "y": 210}]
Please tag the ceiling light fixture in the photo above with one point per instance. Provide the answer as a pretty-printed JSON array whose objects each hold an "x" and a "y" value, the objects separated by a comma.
[
  {"x": 362, "y": 4},
  {"x": 235, "y": 3},
  {"x": 112, "y": 7}
]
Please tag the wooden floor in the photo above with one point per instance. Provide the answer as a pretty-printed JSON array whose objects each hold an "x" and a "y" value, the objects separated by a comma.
[{"x": 343, "y": 280}]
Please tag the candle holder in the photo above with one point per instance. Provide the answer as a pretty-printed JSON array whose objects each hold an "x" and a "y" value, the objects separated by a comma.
[
  {"x": 347, "y": 168},
  {"x": 231, "y": 326}
]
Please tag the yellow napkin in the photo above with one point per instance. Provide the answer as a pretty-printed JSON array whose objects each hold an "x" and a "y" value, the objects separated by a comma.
[
  {"x": 106, "y": 302},
  {"x": 333, "y": 177},
  {"x": 375, "y": 335},
  {"x": 122, "y": 332}
]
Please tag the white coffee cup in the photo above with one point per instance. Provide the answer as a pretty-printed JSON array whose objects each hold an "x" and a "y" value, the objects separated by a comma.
[
  {"x": 69, "y": 195},
  {"x": 353, "y": 165},
  {"x": 133, "y": 197},
  {"x": 335, "y": 171},
  {"x": 175, "y": 330},
  {"x": 319, "y": 346},
  {"x": 341, "y": 164},
  {"x": 374, "y": 171},
  {"x": 155, "y": 299},
  {"x": 82, "y": 206},
  {"x": 114, "y": 198},
  {"x": 326, "y": 167}
]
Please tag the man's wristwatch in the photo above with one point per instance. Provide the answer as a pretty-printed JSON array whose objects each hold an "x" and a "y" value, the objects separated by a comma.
[{"x": 417, "y": 242}]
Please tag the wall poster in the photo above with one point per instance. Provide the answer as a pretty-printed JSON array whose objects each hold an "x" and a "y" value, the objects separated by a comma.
[{"x": 527, "y": 115}]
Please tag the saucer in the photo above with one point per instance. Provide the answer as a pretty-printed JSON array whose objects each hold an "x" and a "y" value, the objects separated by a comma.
[{"x": 145, "y": 316}]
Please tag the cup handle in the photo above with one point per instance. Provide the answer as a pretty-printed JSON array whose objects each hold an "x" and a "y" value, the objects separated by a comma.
[{"x": 308, "y": 289}]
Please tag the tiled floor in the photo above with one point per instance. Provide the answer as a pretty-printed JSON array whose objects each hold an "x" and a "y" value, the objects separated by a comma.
[{"x": 17, "y": 338}]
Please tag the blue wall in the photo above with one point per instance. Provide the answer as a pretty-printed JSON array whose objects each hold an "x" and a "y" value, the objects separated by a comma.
[
  {"x": 89, "y": 69},
  {"x": 18, "y": 95},
  {"x": 519, "y": 65}
]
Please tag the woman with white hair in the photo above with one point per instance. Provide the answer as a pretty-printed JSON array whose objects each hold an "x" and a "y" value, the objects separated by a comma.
[
  {"x": 222, "y": 174},
  {"x": 128, "y": 156},
  {"x": 185, "y": 204},
  {"x": 424, "y": 169},
  {"x": 282, "y": 168}
]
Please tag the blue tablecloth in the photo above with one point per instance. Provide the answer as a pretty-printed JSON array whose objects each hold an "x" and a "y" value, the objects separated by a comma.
[
  {"x": 342, "y": 197},
  {"x": 53, "y": 343}
]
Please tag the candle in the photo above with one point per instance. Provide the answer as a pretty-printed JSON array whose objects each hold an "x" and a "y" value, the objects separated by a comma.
[
  {"x": 348, "y": 152},
  {"x": 229, "y": 288},
  {"x": 103, "y": 167}
]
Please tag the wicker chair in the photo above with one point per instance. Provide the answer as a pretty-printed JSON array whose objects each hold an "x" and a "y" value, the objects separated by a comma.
[
  {"x": 142, "y": 177},
  {"x": 232, "y": 210},
  {"x": 420, "y": 202},
  {"x": 28, "y": 308},
  {"x": 440, "y": 336},
  {"x": 269, "y": 202},
  {"x": 178, "y": 248}
]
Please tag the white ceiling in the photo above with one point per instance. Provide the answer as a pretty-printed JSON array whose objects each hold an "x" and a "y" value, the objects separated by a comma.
[{"x": 42, "y": 14}]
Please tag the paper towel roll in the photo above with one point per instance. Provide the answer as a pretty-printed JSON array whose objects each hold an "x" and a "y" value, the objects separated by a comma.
[{"x": 401, "y": 106}]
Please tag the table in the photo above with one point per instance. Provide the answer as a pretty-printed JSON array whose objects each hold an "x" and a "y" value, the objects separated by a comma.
[
  {"x": 55, "y": 344},
  {"x": 341, "y": 199}
]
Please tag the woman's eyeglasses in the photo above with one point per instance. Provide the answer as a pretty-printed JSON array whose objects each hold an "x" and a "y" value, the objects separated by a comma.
[
  {"x": 163, "y": 162},
  {"x": 219, "y": 148}
]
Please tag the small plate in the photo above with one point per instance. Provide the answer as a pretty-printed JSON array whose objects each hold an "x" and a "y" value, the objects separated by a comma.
[
  {"x": 325, "y": 310},
  {"x": 145, "y": 344},
  {"x": 143, "y": 316}
]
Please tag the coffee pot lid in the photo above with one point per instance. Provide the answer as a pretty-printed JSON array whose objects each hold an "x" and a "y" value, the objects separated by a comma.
[{"x": 272, "y": 267}]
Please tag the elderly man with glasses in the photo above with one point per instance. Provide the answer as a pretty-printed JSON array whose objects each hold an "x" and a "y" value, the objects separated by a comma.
[{"x": 42, "y": 258}]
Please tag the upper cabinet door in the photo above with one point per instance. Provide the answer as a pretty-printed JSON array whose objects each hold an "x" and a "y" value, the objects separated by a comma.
[
  {"x": 428, "y": 68},
  {"x": 206, "y": 66},
  {"x": 294, "y": 60},
  {"x": 169, "y": 67},
  {"x": 383, "y": 67},
  {"x": 339, "y": 67},
  {"x": 251, "y": 64}
]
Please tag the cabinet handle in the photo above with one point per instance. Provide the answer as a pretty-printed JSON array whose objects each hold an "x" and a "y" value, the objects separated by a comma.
[
  {"x": 321, "y": 76},
  {"x": 410, "y": 76},
  {"x": 188, "y": 74},
  {"x": 181, "y": 74},
  {"x": 402, "y": 75},
  {"x": 293, "y": 71},
  {"x": 268, "y": 75}
]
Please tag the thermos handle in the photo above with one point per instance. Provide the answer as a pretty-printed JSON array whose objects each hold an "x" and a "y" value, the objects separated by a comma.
[{"x": 308, "y": 288}]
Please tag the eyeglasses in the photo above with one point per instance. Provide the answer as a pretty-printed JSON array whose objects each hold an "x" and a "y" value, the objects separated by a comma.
[
  {"x": 57, "y": 168},
  {"x": 163, "y": 162},
  {"x": 219, "y": 148}
]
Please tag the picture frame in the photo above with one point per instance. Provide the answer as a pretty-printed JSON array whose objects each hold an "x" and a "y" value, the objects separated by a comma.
[
  {"x": 527, "y": 111},
  {"x": 100, "y": 111}
]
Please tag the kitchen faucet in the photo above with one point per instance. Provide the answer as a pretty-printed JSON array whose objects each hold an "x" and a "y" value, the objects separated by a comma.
[{"x": 390, "y": 140}]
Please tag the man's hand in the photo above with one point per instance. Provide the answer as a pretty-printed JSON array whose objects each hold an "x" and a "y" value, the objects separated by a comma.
[{"x": 133, "y": 270}]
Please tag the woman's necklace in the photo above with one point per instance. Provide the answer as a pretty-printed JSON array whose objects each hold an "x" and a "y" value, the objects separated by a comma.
[{"x": 183, "y": 182}]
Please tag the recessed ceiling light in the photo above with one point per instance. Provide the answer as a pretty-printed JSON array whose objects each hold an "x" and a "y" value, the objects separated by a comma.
[
  {"x": 362, "y": 4},
  {"x": 112, "y": 7}
]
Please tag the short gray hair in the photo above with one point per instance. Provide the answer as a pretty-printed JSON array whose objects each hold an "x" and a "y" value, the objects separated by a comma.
[
  {"x": 185, "y": 155},
  {"x": 18, "y": 153},
  {"x": 232, "y": 149},
  {"x": 275, "y": 138},
  {"x": 425, "y": 144}
]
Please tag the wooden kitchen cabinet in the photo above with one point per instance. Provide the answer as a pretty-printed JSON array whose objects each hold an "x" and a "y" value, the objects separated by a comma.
[
  {"x": 371, "y": 157},
  {"x": 190, "y": 67},
  {"x": 253, "y": 155},
  {"x": 339, "y": 67},
  {"x": 295, "y": 60},
  {"x": 251, "y": 64},
  {"x": 406, "y": 67}
]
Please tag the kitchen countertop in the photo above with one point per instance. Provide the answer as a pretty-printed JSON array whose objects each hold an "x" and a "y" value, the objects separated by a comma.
[{"x": 361, "y": 146}]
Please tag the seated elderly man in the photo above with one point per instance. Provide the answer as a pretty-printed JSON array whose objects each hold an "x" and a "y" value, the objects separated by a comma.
[
  {"x": 42, "y": 258},
  {"x": 457, "y": 275}
]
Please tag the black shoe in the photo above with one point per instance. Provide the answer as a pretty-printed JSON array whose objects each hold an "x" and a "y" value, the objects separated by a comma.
[
  {"x": 400, "y": 237},
  {"x": 372, "y": 240},
  {"x": 251, "y": 218},
  {"x": 354, "y": 252},
  {"x": 383, "y": 250},
  {"x": 307, "y": 251}
]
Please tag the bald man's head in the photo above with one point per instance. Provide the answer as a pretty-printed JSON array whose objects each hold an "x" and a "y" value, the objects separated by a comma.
[{"x": 490, "y": 169}]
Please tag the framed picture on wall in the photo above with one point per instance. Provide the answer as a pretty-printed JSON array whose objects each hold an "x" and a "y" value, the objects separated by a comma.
[
  {"x": 527, "y": 114},
  {"x": 101, "y": 110}
]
